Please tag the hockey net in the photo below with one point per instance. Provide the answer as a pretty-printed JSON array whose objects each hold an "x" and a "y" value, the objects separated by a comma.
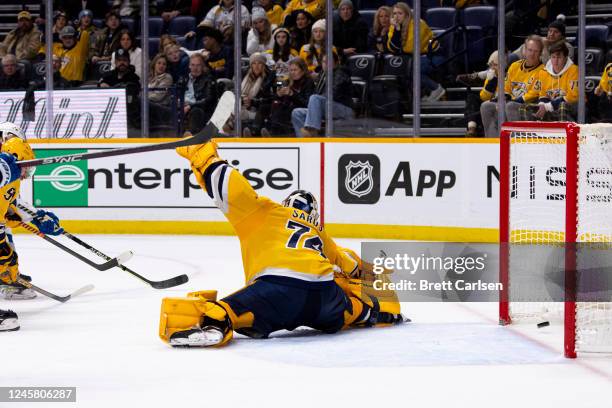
[{"x": 556, "y": 189}]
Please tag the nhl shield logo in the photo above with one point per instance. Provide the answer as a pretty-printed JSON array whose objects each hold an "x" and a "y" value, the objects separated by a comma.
[{"x": 358, "y": 179}]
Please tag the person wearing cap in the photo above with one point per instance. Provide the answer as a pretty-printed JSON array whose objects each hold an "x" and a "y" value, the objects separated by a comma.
[
  {"x": 123, "y": 76},
  {"x": 200, "y": 94},
  {"x": 557, "y": 87},
  {"x": 85, "y": 23},
  {"x": 60, "y": 20},
  {"x": 316, "y": 8},
  {"x": 316, "y": 48},
  {"x": 273, "y": 11},
  {"x": 73, "y": 51},
  {"x": 281, "y": 52},
  {"x": 256, "y": 92},
  {"x": 221, "y": 17},
  {"x": 350, "y": 30},
  {"x": 24, "y": 41},
  {"x": 554, "y": 35},
  {"x": 260, "y": 35},
  {"x": 107, "y": 39},
  {"x": 219, "y": 57}
]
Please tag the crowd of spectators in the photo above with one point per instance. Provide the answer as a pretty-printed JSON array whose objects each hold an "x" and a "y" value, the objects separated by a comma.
[{"x": 284, "y": 50}]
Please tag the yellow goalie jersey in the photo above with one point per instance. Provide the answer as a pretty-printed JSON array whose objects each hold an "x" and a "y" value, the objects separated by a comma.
[{"x": 275, "y": 240}]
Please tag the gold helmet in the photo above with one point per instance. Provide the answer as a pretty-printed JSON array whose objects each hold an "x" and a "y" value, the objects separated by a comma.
[{"x": 22, "y": 151}]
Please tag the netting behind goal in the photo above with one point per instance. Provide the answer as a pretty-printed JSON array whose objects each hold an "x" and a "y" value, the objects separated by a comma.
[{"x": 556, "y": 188}]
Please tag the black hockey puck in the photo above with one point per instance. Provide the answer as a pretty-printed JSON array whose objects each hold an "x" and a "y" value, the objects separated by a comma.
[{"x": 543, "y": 324}]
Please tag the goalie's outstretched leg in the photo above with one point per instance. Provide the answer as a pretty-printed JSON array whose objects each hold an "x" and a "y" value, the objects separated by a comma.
[{"x": 8, "y": 321}]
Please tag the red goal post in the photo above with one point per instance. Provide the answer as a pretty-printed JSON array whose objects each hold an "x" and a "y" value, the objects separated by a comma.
[{"x": 549, "y": 174}]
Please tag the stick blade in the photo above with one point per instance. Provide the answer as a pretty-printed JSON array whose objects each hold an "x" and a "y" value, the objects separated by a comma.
[
  {"x": 224, "y": 109},
  {"x": 82, "y": 290},
  {"x": 169, "y": 283},
  {"x": 124, "y": 257}
]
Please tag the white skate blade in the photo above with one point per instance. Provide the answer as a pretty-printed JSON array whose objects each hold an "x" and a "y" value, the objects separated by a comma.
[
  {"x": 200, "y": 338},
  {"x": 9, "y": 325}
]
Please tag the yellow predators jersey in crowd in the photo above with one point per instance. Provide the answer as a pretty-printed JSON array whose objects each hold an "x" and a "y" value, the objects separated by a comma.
[
  {"x": 551, "y": 86},
  {"x": 521, "y": 80},
  {"x": 606, "y": 79},
  {"x": 274, "y": 240},
  {"x": 74, "y": 59}
]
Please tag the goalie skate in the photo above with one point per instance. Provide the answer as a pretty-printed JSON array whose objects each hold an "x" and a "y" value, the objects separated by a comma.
[
  {"x": 8, "y": 321},
  {"x": 16, "y": 291},
  {"x": 196, "y": 337}
]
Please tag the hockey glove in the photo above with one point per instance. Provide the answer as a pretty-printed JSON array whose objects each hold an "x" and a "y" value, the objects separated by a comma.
[
  {"x": 9, "y": 170},
  {"x": 47, "y": 223}
]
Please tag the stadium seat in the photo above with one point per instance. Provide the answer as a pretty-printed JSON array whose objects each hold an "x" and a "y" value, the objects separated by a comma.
[
  {"x": 481, "y": 16},
  {"x": 226, "y": 84},
  {"x": 446, "y": 43},
  {"x": 244, "y": 65},
  {"x": 99, "y": 69},
  {"x": 185, "y": 42},
  {"x": 38, "y": 71},
  {"x": 593, "y": 60},
  {"x": 609, "y": 56},
  {"x": 359, "y": 96},
  {"x": 590, "y": 82},
  {"x": 440, "y": 17},
  {"x": 362, "y": 66},
  {"x": 153, "y": 46},
  {"x": 368, "y": 16},
  {"x": 596, "y": 36},
  {"x": 397, "y": 65},
  {"x": 130, "y": 24},
  {"x": 156, "y": 25},
  {"x": 181, "y": 25},
  {"x": 98, "y": 22}
]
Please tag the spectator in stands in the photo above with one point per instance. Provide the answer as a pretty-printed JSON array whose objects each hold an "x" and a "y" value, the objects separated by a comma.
[
  {"x": 604, "y": 92},
  {"x": 260, "y": 35},
  {"x": 123, "y": 76},
  {"x": 377, "y": 39},
  {"x": 74, "y": 7},
  {"x": 555, "y": 35},
  {"x": 256, "y": 92},
  {"x": 301, "y": 29},
  {"x": 307, "y": 121},
  {"x": 178, "y": 62},
  {"x": 273, "y": 11},
  {"x": 127, "y": 42},
  {"x": 11, "y": 76},
  {"x": 316, "y": 8},
  {"x": 519, "y": 86},
  {"x": 160, "y": 78},
  {"x": 401, "y": 42},
  {"x": 200, "y": 94},
  {"x": 127, "y": 8},
  {"x": 350, "y": 30},
  {"x": 290, "y": 95},
  {"x": 221, "y": 17},
  {"x": 60, "y": 20},
  {"x": 73, "y": 52},
  {"x": 107, "y": 39},
  {"x": 59, "y": 82},
  {"x": 85, "y": 23},
  {"x": 281, "y": 53},
  {"x": 316, "y": 48},
  {"x": 174, "y": 8},
  {"x": 220, "y": 57},
  {"x": 165, "y": 40},
  {"x": 558, "y": 89},
  {"x": 23, "y": 41}
]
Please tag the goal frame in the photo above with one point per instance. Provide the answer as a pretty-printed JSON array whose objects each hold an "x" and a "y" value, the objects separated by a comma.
[{"x": 572, "y": 131}]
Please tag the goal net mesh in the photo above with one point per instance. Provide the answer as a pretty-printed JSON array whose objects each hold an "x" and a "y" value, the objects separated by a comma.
[{"x": 537, "y": 223}]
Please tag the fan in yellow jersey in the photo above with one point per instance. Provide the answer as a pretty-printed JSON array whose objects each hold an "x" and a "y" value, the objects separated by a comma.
[
  {"x": 557, "y": 88},
  {"x": 289, "y": 263},
  {"x": 45, "y": 221},
  {"x": 604, "y": 92}
]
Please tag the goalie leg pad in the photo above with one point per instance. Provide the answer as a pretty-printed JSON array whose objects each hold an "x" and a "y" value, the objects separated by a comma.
[
  {"x": 367, "y": 305},
  {"x": 194, "y": 321}
]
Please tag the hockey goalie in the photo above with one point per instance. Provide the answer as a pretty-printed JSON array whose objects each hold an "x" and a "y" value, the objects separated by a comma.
[{"x": 295, "y": 273}]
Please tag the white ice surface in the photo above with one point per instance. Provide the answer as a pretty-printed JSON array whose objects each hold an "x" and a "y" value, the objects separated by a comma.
[{"x": 105, "y": 343}]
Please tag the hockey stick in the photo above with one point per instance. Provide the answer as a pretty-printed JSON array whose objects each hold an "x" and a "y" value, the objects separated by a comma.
[
  {"x": 224, "y": 109},
  {"x": 111, "y": 262},
  {"x": 164, "y": 284},
  {"x": 62, "y": 299}
]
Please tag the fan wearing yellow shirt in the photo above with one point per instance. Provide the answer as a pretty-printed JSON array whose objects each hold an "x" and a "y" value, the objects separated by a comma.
[{"x": 295, "y": 273}]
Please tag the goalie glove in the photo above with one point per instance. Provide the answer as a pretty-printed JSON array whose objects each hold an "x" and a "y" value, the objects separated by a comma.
[{"x": 47, "y": 223}]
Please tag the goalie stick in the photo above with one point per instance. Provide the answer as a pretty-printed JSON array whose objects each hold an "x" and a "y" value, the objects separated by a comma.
[
  {"x": 224, "y": 109},
  {"x": 62, "y": 299},
  {"x": 111, "y": 262},
  {"x": 164, "y": 284}
]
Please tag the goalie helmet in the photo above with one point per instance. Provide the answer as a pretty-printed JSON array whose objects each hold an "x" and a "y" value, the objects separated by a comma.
[
  {"x": 9, "y": 130},
  {"x": 22, "y": 151},
  {"x": 303, "y": 200}
]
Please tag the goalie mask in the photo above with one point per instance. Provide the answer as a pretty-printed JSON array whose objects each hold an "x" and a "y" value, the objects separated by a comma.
[
  {"x": 303, "y": 200},
  {"x": 22, "y": 151},
  {"x": 9, "y": 130}
]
